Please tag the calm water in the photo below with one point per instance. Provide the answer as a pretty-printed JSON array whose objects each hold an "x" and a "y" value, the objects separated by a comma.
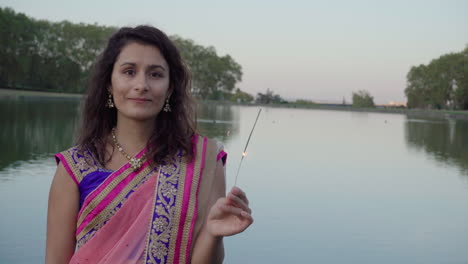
[{"x": 325, "y": 186}]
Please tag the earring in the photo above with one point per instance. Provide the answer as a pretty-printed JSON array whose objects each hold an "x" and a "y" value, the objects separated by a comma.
[
  {"x": 110, "y": 103},
  {"x": 167, "y": 107}
]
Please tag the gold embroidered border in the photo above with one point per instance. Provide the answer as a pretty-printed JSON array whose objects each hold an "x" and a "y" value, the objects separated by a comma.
[
  {"x": 156, "y": 247},
  {"x": 85, "y": 163},
  {"x": 75, "y": 163},
  {"x": 192, "y": 202},
  {"x": 180, "y": 196},
  {"x": 71, "y": 164},
  {"x": 176, "y": 216},
  {"x": 98, "y": 199},
  {"x": 109, "y": 211},
  {"x": 153, "y": 208}
]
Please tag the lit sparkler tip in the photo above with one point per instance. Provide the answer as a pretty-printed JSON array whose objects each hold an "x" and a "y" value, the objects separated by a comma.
[{"x": 246, "y": 145}]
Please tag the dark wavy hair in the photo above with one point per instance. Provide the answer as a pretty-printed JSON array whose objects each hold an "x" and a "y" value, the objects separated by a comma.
[{"x": 174, "y": 129}]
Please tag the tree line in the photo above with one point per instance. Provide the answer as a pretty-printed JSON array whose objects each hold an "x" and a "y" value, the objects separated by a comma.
[
  {"x": 58, "y": 56},
  {"x": 441, "y": 84}
]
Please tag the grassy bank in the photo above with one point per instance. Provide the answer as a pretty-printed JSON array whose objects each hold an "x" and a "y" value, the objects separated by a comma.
[{"x": 13, "y": 93}]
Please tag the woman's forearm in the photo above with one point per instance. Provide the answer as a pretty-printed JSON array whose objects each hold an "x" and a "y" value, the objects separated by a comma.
[{"x": 208, "y": 249}]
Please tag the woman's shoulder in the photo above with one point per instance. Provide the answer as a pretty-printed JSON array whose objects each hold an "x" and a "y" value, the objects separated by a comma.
[
  {"x": 212, "y": 148},
  {"x": 211, "y": 141},
  {"x": 74, "y": 154},
  {"x": 67, "y": 152},
  {"x": 78, "y": 162}
]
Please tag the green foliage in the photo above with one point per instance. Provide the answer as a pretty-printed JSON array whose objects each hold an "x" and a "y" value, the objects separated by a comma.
[
  {"x": 442, "y": 84},
  {"x": 212, "y": 76},
  {"x": 304, "y": 102},
  {"x": 363, "y": 98},
  {"x": 269, "y": 98},
  {"x": 41, "y": 55},
  {"x": 241, "y": 97}
]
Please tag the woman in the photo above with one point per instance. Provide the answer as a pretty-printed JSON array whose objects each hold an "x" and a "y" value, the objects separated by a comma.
[{"x": 141, "y": 186}]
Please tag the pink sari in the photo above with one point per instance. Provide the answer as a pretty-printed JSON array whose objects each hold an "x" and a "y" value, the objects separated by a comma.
[{"x": 140, "y": 216}]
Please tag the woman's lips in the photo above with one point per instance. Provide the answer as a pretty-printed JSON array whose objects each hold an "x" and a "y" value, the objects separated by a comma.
[{"x": 140, "y": 100}]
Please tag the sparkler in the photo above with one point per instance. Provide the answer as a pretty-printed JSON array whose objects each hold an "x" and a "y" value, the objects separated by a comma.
[{"x": 244, "y": 153}]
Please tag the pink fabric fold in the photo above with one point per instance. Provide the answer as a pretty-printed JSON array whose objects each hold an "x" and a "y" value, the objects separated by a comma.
[
  {"x": 110, "y": 197},
  {"x": 106, "y": 182},
  {"x": 122, "y": 239}
]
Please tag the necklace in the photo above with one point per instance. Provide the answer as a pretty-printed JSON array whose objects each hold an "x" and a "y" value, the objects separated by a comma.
[{"x": 134, "y": 161}]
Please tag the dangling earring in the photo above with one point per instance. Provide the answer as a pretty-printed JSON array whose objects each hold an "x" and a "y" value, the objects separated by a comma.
[
  {"x": 110, "y": 103},
  {"x": 167, "y": 107}
]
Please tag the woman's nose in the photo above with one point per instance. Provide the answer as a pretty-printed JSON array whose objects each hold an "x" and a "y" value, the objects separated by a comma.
[{"x": 141, "y": 82}]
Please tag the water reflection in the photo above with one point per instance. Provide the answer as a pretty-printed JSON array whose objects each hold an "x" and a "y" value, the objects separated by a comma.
[
  {"x": 33, "y": 127},
  {"x": 218, "y": 121},
  {"x": 444, "y": 139},
  {"x": 346, "y": 179}
]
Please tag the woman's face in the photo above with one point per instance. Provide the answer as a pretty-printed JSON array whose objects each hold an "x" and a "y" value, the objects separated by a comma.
[{"x": 139, "y": 82}]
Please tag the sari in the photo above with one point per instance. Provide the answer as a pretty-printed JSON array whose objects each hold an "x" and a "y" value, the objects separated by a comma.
[{"x": 151, "y": 215}]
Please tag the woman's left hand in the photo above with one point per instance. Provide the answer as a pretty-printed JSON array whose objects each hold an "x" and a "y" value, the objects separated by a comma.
[{"x": 230, "y": 215}]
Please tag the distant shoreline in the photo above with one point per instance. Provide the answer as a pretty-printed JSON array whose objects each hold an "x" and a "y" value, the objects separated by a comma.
[
  {"x": 19, "y": 94},
  {"x": 7, "y": 93},
  {"x": 422, "y": 113}
]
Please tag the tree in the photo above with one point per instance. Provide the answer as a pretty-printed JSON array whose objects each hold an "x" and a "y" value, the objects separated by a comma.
[
  {"x": 363, "y": 98},
  {"x": 38, "y": 54},
  {"x": 241, "y": 97},
  {"x": 42, "y": 55},
  {"x": 269, "y": 98},
  {"x": 442, "y": 84},
  {"x": 212, "y": 76},
  {"x": 304, "y": 102}
]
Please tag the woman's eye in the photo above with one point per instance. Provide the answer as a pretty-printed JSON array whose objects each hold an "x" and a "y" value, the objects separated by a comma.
[
  {"x": 129, "y": 72},
  {"x": 156, "y": 75}
]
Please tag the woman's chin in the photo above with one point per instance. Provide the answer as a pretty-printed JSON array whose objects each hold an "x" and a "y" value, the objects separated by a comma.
[{"x": 141, "y": 117}]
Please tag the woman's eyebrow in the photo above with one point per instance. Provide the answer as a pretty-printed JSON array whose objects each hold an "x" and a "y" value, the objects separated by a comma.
[
  {"x": 128, "y": 63},
  {"x": 150, "y": 67},
  {"x": 154, "y": 66}
]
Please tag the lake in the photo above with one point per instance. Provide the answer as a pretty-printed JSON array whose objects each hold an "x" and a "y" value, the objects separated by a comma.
[{"x": 325, "y": 186}]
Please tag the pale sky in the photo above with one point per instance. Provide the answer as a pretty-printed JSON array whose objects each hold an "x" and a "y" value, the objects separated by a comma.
[{"x": 315, "y": 50}]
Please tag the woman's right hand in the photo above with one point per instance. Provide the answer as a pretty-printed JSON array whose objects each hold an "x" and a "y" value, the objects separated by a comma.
[{"x": 230, "y": 215}]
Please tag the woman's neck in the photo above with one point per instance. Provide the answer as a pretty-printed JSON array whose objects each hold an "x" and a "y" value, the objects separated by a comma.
[{"x": 133, "y": 135}]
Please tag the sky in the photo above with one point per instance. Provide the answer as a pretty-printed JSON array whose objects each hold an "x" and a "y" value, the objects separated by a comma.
[{"x": 315, "y": 50}]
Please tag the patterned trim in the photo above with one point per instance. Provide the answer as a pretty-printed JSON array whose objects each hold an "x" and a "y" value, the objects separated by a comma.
[
  {"x": 95, "y": 198},
  {"x": 193, "y": 207},
  {"x": 111, "y": 204},
  {"x": 78, "y": 163},
  {"x": 179, "y": 255},
  {"x": 175, "y": 210},
  {"x": 65, "y": 163},
  {"x": 112, "y": 209},
  {"x": 188, "y": 205},
  {"x": 165, "y": 211},
  {"x": 150, "y": 223}
]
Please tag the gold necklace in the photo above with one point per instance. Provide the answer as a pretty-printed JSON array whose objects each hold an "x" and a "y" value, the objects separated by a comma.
[{"x": 134, "y": 161}]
